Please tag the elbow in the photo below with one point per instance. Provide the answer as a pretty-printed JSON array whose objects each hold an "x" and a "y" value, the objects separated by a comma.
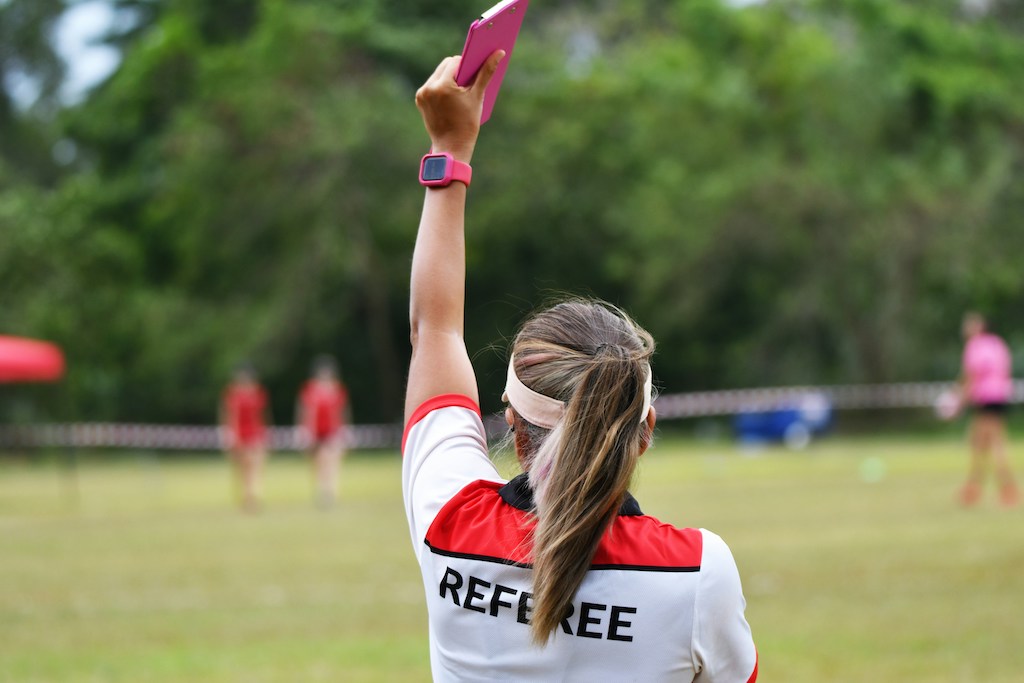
[
  {"x": 421, "y": 322},
  {"x": 430, "y": 325},
  {"x": 414, "y": 332}
]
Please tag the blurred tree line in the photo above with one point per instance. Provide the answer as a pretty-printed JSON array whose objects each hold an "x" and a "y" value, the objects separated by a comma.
[{"x": 794, "y": 191}]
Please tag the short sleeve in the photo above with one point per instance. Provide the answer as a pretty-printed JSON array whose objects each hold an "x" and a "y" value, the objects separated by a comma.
[
  {"x": 444, "y": 449},
  {"x": 723, "y": 647}
]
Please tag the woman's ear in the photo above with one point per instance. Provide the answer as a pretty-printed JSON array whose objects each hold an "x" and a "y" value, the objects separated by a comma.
[
  {"x": 520, "y": 438},
  {"x": 648, "y": 438}
]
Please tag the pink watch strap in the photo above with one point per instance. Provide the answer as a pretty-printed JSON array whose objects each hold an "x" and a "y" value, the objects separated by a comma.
[{"x": 462, "y": 172}]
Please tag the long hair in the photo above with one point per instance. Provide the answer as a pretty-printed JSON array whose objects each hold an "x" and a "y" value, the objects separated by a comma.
[{"x": 595, "y": 359}]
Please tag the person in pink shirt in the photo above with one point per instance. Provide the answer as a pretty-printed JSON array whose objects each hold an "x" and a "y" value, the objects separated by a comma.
[{"x": 987, "y": 387}]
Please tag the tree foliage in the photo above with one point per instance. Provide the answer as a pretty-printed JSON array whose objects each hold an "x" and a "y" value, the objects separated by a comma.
[
  {"x": 798, "y": 191},
  {"x": 27, "y": 58}
]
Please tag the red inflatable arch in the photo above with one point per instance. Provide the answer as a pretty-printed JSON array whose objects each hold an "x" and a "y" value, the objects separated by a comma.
[{"x": 28, "y": 360}]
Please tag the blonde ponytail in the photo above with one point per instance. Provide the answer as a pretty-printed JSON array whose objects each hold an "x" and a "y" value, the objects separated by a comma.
[{"x": 595, "y": 359}]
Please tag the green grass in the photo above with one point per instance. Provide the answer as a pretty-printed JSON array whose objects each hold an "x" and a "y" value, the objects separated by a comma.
[{"x": 857, "y": 566}]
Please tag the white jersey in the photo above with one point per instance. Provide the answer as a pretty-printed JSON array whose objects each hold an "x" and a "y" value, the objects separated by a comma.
[{"x": 658, "y": 603}]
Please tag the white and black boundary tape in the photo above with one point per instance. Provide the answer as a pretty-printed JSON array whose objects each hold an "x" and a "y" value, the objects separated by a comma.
[
  {"x": 840, "y": 397},
  {"x": 175, "y": 437},
  {"x": 669, "y": 407}
]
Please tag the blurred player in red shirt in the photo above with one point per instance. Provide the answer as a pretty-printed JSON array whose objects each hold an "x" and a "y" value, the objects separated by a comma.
[
  {"x": 243, "y": 420},
  {"x": 323, "y": 412}
]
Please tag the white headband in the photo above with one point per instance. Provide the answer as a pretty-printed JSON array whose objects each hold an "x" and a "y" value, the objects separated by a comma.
[{"x": 545, "y": 411}]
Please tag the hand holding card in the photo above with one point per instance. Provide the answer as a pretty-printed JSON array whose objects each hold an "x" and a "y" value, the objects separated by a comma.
[{"x": 496, "y": 29}]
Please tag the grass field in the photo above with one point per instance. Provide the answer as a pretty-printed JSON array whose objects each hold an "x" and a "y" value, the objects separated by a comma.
[{"x": 857, "y": 566}]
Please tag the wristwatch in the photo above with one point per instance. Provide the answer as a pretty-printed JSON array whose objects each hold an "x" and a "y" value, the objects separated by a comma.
[{"x": 439, "y": 169}]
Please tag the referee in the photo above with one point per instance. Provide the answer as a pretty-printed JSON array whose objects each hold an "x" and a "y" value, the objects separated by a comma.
[{"x": 556, "y": 575}]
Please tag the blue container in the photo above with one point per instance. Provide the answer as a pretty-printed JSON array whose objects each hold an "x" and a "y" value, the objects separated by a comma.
[{"x": 794, "y": 423}]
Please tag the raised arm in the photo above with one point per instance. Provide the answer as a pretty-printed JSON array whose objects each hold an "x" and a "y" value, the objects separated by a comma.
[{"x": 440, "y": 363}]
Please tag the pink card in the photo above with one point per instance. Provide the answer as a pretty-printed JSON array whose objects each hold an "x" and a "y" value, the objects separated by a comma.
[{"x": 496, "y": 29}]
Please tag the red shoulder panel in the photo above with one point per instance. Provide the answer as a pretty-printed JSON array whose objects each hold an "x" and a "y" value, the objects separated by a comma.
[
  {"x": 477, "y": 523},
  {"x": 642, "y": 542}
]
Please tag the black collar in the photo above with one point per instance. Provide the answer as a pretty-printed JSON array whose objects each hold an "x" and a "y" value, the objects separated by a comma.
[{"x": 519, "y": 495}]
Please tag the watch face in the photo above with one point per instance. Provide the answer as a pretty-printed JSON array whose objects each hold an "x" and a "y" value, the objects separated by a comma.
[{"x": 434, "y": 168}]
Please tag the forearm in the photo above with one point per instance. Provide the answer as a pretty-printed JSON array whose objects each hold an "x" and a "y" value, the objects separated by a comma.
[{"x": 438, "y": 285}]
